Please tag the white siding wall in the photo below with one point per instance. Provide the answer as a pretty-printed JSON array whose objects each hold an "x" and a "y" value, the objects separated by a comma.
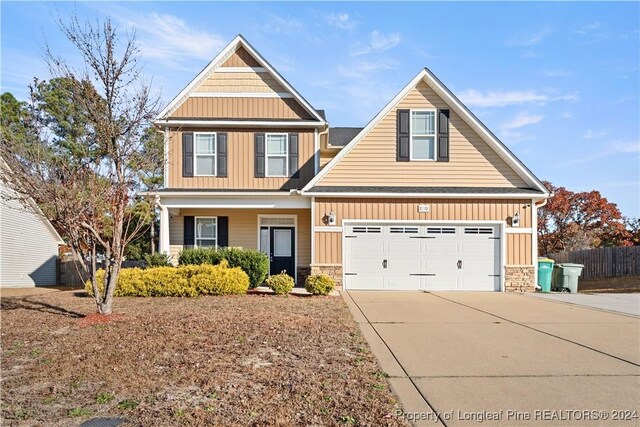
[{"x": 28, "y": 247}]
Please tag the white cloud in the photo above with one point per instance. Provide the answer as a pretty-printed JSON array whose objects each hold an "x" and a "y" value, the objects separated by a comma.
[
  {"x": 588, "y": 28},
  {"x": 279, "y": 24},
  {"x": 477, "y": 98},
  {"x": 379, "y": 42},
  {"x": 522, "y": 119},
  {"x": 592, "y": 134},
  {"x": 566, "y": 114},
  {"x": 529, "y": 39},
  {"x": 361, "y": 69},
  {"x": 342, "y": 21},
  {"x": 609, "y": 150},
  {"x": 559, "y": 72},
  {"x": 171, "y": 40}
]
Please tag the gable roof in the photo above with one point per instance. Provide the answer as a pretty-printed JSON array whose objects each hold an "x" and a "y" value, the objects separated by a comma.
[
  {"x": 434, "y": 83},
  {"x": 341, "y": 136},
  {"x": 236, "y": 43}
]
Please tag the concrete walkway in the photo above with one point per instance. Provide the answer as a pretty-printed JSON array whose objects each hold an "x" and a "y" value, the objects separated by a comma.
[
  {"x": 457, "y": 359},
  {"x": 620, "y": 303}
]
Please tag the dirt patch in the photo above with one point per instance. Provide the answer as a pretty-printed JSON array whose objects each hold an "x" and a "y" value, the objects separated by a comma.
[
  {"x": 98, "y": 319},
  {"x": 610, "y": 285},
  {"x": 235, "y": 360}
]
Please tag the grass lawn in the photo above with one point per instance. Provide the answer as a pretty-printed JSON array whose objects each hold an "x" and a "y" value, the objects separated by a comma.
[{"x": 236, "y": 360}]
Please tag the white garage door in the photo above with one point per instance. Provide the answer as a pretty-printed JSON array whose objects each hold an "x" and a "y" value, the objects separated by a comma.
[{"x": 425, "y": 257}]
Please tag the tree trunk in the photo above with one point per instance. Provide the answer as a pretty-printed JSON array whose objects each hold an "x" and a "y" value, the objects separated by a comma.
[{"x": 153, "y": 235}]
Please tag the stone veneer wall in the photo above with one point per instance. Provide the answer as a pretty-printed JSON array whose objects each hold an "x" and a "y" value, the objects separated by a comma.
[
  {"x": 333, "y": 271},
  {"x": 519, "y": 278}
]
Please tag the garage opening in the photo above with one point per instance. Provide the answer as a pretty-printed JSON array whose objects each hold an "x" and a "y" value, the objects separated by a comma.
[{"x": 422, "y": 257}]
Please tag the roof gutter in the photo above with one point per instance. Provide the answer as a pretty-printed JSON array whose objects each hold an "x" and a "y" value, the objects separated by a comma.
[
  {"x": 430, "y": 195},
  {"x": 238, "y": 123}
]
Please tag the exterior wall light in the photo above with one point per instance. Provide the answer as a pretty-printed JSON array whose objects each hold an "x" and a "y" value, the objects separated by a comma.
[
  {"x": 515, "y": 220},
  {"x": 330, "y": 218}
]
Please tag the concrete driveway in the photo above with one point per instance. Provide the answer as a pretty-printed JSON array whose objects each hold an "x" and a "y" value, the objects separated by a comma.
[{"x": 457, "y": 359}]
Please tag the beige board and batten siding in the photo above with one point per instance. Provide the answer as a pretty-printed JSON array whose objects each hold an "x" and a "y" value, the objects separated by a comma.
[
  {"x": 473, "y": 163},
  {"x": 241, "y": 58},
  {"x": 328, "y": 245},
  {"x": 240, "y": 83},
  {"x": 240, "y": 162},
  {"x": 240, "y": 108},
  {"x": 243, "y": 229}
]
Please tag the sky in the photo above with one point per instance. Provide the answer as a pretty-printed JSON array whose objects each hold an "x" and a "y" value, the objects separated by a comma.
[{"x": 559, "y": 83}]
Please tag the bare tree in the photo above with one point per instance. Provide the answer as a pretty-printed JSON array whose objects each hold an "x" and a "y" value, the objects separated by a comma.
[{"x": 86, "y": 188}]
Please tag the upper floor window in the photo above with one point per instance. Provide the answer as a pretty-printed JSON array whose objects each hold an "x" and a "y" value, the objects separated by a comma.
[
  {"x": 206, "y": 229},
  {"x": 277, "y": 154},
  {"x": 205, "y": 154},
  {"x": 423, "y": 135}
]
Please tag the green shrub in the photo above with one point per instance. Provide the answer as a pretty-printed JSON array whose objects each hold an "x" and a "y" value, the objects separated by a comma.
[
  {"x": 157, "y": 260},
  {"x": 197, "y": 256},
  {"x": 281, "y": 283},
  {"x": 251, "y": 261},
  {"x": 319, "y": 284},
  {"x": 184, "y": 281}
]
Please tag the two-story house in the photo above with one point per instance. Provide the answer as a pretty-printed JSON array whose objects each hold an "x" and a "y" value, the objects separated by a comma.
[{"x": 424, "y": 197}]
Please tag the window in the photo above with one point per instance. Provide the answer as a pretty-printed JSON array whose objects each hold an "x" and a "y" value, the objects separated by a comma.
[
  {"x": 423, "y": 135},
  {"x": 205, "y": 154},
  {"x": 206, "y": 231},
  {"x": 277, "y": 154}
]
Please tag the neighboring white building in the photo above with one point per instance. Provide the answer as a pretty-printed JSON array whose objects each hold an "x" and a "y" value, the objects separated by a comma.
[{"x": 28, "y": 245}]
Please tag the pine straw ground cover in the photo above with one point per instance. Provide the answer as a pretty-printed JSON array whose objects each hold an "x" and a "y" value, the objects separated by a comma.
[{"x": 234, "y": 360}]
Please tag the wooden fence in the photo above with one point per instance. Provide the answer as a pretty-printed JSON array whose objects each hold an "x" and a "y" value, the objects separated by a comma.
[
  {"x": 604, "y": 262},
  {"x": 70, "y": 272}
]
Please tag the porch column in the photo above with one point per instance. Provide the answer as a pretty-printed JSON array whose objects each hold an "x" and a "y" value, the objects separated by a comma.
[{"x": 164, "y": 230}]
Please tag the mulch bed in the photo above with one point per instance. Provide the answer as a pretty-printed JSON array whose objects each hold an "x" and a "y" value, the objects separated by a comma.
[
  {"x": 610, "y": 285},
  {"x": 248, "y": 360}
]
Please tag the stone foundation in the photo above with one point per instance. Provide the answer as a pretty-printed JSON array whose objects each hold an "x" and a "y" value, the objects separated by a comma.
[
  {"x": 519, "y": 278},
  {"x": 333, "y": 271},
  {"x": 303, "y": 273}
]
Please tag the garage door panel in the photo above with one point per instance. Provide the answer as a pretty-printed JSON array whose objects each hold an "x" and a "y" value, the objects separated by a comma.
[
  {"x": 402, "y": 282},
  {"x": 460, "y": 257},
  {"x": 404, "y": 246},
  {"x": 441, "y": 247}
]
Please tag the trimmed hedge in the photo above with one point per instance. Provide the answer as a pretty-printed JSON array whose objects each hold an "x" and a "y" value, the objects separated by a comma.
[
  {"x": 281, "y": 283},
  {"x": 157, "y": 260},
  {"x": 319, "y": 284},
  {"x": 251, "y": 261},
  {"x": 185, "y": 281}
]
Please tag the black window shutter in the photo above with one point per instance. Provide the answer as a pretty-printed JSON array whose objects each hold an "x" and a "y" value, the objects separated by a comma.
[
  {"x": 443, "y": 135},
  {"x": 259, "y": 155},
  {"x": 223, "y": 231},
  {"x": 187, "y": 154},
  {"x": 189, "y": 232},
  {"x": 403, "y": 131},
  {"x": 222, "y": 155},
  {"x": 293, "y": 155}
]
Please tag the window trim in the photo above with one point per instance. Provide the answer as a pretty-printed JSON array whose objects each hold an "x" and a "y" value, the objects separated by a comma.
[
  {"x": 435, "y": 134},
  {"x": 195, "y": 155},
  {"x": 266, "y": 155},
  {"x": 195, "y": 231}
]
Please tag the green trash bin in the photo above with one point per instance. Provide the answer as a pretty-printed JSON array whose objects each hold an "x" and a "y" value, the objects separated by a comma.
[
  {"x": 545, "y": 268},
  {"x": 565, "y": 277}
]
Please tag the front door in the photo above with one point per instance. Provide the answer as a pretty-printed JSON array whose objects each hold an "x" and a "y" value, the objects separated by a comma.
[{"x": 282, "y": 250}]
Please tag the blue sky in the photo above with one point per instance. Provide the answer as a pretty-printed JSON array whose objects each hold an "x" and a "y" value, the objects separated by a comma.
[{"x": 559, "y": 83}]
